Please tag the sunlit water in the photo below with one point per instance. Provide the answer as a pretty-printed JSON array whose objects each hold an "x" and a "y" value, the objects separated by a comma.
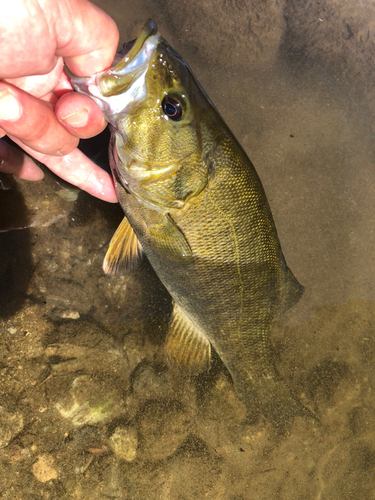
[{"x": 88, "y": 406}]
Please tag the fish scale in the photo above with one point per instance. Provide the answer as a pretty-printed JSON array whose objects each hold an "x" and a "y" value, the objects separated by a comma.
[{"x": 194, "y": 203}]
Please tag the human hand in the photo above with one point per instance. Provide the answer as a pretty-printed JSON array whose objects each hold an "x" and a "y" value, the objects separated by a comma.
[{"x": 37, "y": 109}]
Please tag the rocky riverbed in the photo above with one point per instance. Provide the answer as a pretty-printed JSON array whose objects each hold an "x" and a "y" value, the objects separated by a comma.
[{"x": 90, "y": 409}]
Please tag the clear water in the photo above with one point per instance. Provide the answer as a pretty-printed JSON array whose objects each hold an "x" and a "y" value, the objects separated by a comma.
[{"x": 88, "y": 406}]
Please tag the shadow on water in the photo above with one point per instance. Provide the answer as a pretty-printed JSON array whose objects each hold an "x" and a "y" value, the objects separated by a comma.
[
  {"x": 96, "y": 149},
  {"x": 16, "y": 266},
  {"x": 16, "y": 241}
]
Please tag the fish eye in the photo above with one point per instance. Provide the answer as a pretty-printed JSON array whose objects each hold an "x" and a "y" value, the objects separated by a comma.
[{"x": 173, "y": 108}]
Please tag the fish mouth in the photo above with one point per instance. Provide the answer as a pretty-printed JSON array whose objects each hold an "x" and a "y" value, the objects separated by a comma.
[
  {"x": 127, "y": 62},
  {"x": 131, "y": 49},
  {"x": 122, "y": 85}
]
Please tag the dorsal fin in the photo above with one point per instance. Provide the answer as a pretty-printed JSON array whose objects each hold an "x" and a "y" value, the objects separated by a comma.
[
  {"x": 186, "y": 347},
  {"x": 124, "y": 250}
]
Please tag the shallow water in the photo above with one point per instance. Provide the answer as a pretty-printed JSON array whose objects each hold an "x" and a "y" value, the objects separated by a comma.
[{"x": 88, "y": 405}]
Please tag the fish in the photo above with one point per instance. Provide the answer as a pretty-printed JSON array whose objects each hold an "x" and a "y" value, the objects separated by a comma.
[{"x": 196, "y": 207}]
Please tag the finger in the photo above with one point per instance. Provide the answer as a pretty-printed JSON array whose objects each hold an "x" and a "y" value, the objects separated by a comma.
[
  {"x": 80, "y": 115},
  {"x": 77, "y": 169},
  {"x": 33, "y": 122},
  {"x": 27, "y": 42},
  {"x": 14, "y": 161},
  {"x": 40, "y": 85},
  {"x": 42, "y": 30},
  {"x": 90, "y": 44}
]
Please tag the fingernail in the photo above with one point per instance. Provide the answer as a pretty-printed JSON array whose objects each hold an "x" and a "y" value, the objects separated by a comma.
[
  {"x": 9, "y": 107},
  {"x": 77, "y": 119}
]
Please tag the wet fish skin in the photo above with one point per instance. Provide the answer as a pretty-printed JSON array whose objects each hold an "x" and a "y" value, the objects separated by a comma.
[{"x": 198, "y": 209}]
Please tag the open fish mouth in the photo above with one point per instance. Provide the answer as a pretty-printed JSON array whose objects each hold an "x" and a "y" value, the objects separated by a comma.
[
  {"x": 124, "y": 51},
  {"x": 121, "y": 86},
  {"x": 131, "y": 49}
]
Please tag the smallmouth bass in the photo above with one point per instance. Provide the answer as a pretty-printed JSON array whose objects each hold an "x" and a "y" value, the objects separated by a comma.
[{"x": 194, "y": 204}]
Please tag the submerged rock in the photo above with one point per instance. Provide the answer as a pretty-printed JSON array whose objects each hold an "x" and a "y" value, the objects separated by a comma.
[
  {"x": 124, "y": 442},
  {"x": 163, "y": 426},
  {"x": 11, "y": 424},
  {"x": 43, "y": 469},
  {"x": 90, "y": 402}
]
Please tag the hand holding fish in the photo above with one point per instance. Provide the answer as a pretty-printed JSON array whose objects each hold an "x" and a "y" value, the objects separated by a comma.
[{"x": 37, "y": 109}]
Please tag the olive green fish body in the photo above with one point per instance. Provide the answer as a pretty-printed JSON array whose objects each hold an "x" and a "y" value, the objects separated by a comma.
[
  {"x": 236, "y": 282},
  {"x": 196, "y": 206}
]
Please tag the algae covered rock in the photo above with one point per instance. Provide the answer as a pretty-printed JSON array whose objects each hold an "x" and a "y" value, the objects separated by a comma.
[{"x": 90, "y": 402}]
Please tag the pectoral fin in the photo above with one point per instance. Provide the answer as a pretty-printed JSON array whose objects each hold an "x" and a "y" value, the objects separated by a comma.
[
  {"x": 124, "y": 250},
  {"x": 187, "y": 348},
  {"x": 169, "y": 238}
]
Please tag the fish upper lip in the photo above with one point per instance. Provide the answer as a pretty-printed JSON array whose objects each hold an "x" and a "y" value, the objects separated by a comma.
[
  {"x": 126, "y": 67},
  {"x": 148, "y": 30}
]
